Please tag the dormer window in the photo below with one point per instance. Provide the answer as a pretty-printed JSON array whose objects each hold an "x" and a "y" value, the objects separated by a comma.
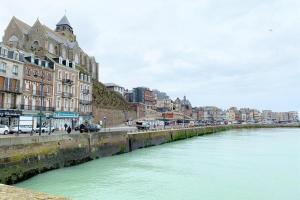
[
  {"x": 4, "y": 52},
  {"x": 16, "y": 56}
]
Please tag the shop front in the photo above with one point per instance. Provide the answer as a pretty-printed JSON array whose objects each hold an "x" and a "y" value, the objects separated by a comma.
[
  {"x": 10, "y": 117},
  {"x": 85, "y": 118},
  {"x": 69, "y": 118}
]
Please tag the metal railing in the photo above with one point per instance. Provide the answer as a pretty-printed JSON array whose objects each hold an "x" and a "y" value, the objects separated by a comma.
[
  {"x": 85, "y": 102},
  {"x": 10, "y": 90},
  {"x": 67, "y": 81},
  {"x": 67, "y": 94},
  {"x": 37, "y": 108},
  {"x": 68, "y": 109},
  {"x": 9, "y": 106},
  {"x": 38, "y": 93},
  {"x": 85, "y": 91}
]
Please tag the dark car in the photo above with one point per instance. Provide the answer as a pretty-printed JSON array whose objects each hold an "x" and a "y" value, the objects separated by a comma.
[{"x": 88, "y": 128}]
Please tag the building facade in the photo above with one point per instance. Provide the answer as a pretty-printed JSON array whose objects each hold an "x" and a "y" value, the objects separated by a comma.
[
  {"x": 66, "y": 94},
  {"x": 85, "y": 91},
  {"x": 115, "y": 88},
  {"x": 37, "y": 89},
  {"x": 11, "y": 80},
  {"x": 43, "y": 41},
  {"x": 52, "y": 63}
]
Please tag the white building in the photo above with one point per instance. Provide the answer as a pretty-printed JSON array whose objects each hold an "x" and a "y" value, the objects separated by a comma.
[{"x": 115, "y": 88}]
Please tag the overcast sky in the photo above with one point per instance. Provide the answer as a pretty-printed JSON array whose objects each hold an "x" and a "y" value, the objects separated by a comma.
[{"x": 223, "y": 53}]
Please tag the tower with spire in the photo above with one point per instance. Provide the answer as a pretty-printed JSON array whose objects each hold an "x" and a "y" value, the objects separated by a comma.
[{"x": 64, "y": 28}]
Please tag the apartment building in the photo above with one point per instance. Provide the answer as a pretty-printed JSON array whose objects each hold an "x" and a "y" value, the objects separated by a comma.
[{"x": 11, "y": 80}]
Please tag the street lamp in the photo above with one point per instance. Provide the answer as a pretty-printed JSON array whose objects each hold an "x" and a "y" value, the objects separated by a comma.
[
  {"x": 104, "y": 120},
  {"x": 41, "y": 105}
]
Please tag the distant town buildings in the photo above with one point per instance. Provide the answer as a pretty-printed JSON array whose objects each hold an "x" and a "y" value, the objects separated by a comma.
[{"x": 115, "y": 88}]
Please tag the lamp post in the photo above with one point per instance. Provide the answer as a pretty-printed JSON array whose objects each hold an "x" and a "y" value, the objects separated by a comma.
[
  {"x": 41, "y": 105},
  {"x": 104, "y": 120}
]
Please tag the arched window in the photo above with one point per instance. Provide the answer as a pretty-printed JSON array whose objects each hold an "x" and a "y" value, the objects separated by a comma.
[
  {"x": 64, "y": 53},
  {"x": 76, "y": 59},
  {"x": 51, "y": 48}
]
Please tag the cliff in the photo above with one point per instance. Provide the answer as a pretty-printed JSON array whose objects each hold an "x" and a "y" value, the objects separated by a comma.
[{"x": 110, "y": 105}]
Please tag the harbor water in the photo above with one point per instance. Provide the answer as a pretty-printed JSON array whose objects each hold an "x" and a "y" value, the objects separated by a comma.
[{"x": 248, "y": 164}]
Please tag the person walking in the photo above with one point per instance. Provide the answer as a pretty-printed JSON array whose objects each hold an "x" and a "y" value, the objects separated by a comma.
[
  {"x": 66, "y": 126},
  {"x": 69, "y": 130}
]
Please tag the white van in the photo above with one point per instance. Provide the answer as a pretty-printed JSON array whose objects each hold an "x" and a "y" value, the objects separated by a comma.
[{"x": 4, "y": 129}]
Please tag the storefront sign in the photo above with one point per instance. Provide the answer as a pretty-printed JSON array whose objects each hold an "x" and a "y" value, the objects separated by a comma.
[
  {"x": 65, "y": 115},
  {"x": 10, "y": 113}
]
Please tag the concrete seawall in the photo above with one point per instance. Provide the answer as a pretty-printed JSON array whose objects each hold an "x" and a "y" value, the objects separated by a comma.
[{"x": 24, "y": 157}]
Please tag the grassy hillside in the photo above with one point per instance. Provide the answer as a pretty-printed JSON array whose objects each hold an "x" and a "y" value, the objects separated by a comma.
[{"x": 104, "y": 98}]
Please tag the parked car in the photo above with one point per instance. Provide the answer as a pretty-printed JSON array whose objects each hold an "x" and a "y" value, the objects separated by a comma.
[
  {"x": 22, "y": 129},
  {"x": 44, "y": 129},
  {"x": 4, "y": 129},
  {"x": 89, "y": 128},
  {"x": 142, "y": 125}
]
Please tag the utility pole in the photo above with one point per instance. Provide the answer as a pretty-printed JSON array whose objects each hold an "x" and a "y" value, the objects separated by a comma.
[{"x": 41, "y": 108}]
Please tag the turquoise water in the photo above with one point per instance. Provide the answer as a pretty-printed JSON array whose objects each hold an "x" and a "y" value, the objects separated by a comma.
[{"x": 238, "y": 164}]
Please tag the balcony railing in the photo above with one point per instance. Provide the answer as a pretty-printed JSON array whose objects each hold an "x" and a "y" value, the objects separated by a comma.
[
  {"x": 85, "y": 102},
  {"x": 37, "y": 108},
  {"x": 9, "y": 106},
  {"x": 85, "y": 113},
  {"x": 67, "y": 94},
  {"x": 85, "y": 91},
  {"x": 38, "y": 93},
  {"x": 67, "y": 81},
  {"x": 67, "y": 109},
  {"x": 10, "y": 90}
]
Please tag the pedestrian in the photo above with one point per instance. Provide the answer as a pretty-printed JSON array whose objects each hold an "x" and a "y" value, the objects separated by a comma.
[
  {"x": 66, "y": 126},
  {"x": 69, "y": 130}
]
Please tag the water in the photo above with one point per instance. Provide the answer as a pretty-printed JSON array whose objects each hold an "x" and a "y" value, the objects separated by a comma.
[{"x": 238, "y": 164}]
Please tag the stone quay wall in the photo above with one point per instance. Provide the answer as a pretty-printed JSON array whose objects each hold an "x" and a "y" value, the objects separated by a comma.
[{"x": 24, "y": 157}]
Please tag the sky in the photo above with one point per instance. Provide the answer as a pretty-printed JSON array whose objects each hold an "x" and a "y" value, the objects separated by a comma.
[{"x": 217, "y": 53}]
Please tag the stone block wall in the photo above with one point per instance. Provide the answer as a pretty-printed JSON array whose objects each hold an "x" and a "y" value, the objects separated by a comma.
[{"x": 113, "y": 117}]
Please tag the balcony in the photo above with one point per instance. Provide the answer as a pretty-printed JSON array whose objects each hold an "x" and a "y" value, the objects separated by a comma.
[
  {"x": 10, "y": 90},
  {"x": 38, "y": 93},
  {"x": 85, "y": 102},
  {"x": 37, "y": 108},
  {"x": 69, "y": 109},
  {"x": 9, "y": 106},
  {"x": 82, "y": 113},
  {"x": 67, "y": 81},
  {"x": 85, "y": 91},
  {"x": 67, "y": 95}
]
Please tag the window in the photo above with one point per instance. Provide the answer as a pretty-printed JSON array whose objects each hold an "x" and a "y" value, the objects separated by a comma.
[
  {"x": 27, "y": 85},
  {"x": 58, "y": 102},
  {"x": 4, "y": 52},
  {"x": 51, "y": 48},
  {"x": 3, "y": 67},
  {"x": 64, "y": 53},
  {"x": 15, "y": 70},
  {"x": 59, "y": 74},
  {"x": 58, "y": 87},
  {"x": 16, "y": 56},
  {"x": 76, "y": 59},
  {"x": 10, "y": 54}
]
